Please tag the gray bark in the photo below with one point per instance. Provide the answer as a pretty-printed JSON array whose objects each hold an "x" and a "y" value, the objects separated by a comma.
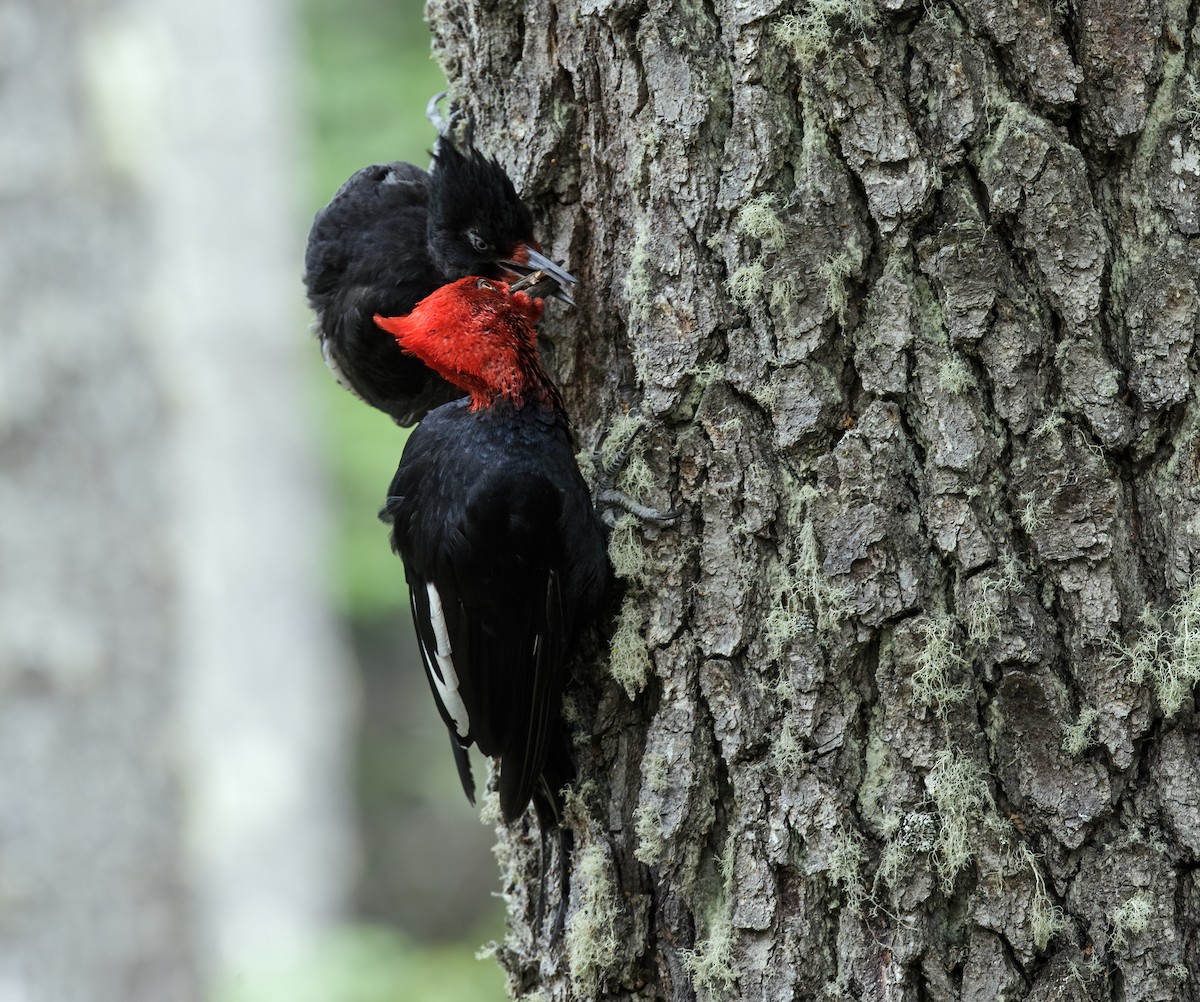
[
  {"x": 170, "y": 781},
  {"x": 904, "y": 707}
]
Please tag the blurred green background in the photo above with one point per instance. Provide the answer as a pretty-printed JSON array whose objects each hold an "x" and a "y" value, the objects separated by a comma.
[
  {"x": 369, "y": 76},
  {"x": 425, "y": 900}
]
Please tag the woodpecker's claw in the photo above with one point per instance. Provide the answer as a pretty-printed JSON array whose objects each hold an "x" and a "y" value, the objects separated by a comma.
[
  {"x": 608, "y": 498},
  {"x": 616, "y": 499},
  {"x": 446, "y": 127},
  {"x": 432, "y": 113}
]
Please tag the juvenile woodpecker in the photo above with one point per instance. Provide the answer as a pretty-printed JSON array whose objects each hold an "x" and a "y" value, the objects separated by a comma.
[
  {"x": 390, "y": 236},
  {"x": 504, "y": 556}
]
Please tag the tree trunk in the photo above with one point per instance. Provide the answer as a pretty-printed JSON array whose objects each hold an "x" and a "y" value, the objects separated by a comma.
[{"x": 903, "y": 707}]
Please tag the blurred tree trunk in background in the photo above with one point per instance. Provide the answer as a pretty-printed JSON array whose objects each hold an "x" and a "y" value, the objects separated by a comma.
[
  {"x": 904, "y": 708},
  {"x": 171, "y": 726}
]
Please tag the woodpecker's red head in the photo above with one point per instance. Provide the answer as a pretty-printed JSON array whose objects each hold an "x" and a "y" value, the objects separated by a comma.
[{"x": 481, "y": 337}]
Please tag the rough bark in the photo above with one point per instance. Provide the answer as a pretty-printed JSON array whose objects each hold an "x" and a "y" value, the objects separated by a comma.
[
  {"x": 903, "y": 709},
  {"x": 170, "y": 791}
]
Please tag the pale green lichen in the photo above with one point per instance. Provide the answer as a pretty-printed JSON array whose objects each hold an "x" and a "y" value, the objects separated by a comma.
[
  {"x": 845, "y": 866},
  {"x": 701, "y": 378},
  {"x": 1046, "y": 919},
  {"x": 1032, "y": 514},
  {"x": 785, "y": 619},
  {"x": 810, "y": 34},
  {"x": 647, "y": 823},
  {"x": 726, "y": 863},
  {"x": 1048, "y": 425},
  {"x": 647, "y": 829},
  {"x": 937, "y": 676},
  {"x": 938, "y": 13},
  {"x": 801, "y": 597},
  {"x": 835, "y": 272},
  {"x": 813, "y": 587},
  {"x": 1161, "y": 115},
  {"x": 705, "y": 375},
  {"x": 784, "y": 294},
  {"x": 571, "y": 713},
  {"x": 787, "y": 752},
  {"x": 629, "y": 657},
  {"x": 954, "y": 375},
  {"x": 1132, "y": 917},
  {"x": 1079, "y": 736},
  {"x": 758, "y": 220},
  {"x": 638, "y": 285},
  {"x": 585, "y": 460},
  {"x": 645, "y": 153},
  {"x": 637, "y": 480},
  {"x": 961, "y": 796},
  {"x": 879, "y": 774},
  {"x": 656, "y": 773},
  {"x": 746, "y": 284},
  {"x": 591, "y": 944},
  {"x": 840, "y": 990},
  {"x": 767, "y": 395},
  {"x": 489, "y": 808},
  {"x": 627, "y": 551},
  {"x": 799, "y": 496},
  {"x": 1166, "y": 654},
  {"x": 983, "y": 621},
  {"x": 711, "y": 964},
  {"x": 1188, "y": 112}
]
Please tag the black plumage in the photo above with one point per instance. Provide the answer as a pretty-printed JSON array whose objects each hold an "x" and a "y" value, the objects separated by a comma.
[
  {"x": 489, "y": 511},
  {"x": 390, "y": 236},
  {"x": 504, "y": 555}
]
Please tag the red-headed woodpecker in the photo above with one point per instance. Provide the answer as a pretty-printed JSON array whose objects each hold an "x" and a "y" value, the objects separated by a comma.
[
  {"x": 504, "y": 555},
  {"x": 392, "y": 235}
]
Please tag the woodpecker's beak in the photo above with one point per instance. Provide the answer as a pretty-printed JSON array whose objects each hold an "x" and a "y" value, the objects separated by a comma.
[{"x": 526, "y": 260}]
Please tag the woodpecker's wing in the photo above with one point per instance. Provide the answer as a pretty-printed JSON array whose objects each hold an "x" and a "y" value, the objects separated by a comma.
[
  {"x": 488, "y": 609},
  {"x": 367, "y": 254},
  {"x": 377, "y": 203}
]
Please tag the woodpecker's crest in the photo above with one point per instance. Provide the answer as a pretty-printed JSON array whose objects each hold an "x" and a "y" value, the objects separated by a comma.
[
  {"x": 477, "y": 335},
  {"x": 476, "y": 218}
]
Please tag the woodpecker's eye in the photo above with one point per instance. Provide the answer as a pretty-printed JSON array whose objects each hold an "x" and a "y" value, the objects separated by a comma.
[
  {"x": 483, "y": 283},
  {"x": 480, "y": 245}
]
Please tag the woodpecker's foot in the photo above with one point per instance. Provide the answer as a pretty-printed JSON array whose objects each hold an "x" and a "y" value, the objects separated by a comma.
[
  {"x": 447, "y": 127},
  {"x": 609, "y": 499}
]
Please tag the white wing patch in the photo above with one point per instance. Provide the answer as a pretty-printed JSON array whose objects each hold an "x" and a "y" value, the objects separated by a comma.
[{"x": 447, "y": 685}]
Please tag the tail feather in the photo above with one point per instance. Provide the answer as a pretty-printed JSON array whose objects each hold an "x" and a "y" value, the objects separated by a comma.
[
  {"x": 549, "y": 804},
  {"x": 463, "y": 762}
]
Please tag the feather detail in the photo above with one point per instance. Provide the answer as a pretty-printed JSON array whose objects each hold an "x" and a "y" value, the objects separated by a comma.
[{"x": 441, "y": 665}]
